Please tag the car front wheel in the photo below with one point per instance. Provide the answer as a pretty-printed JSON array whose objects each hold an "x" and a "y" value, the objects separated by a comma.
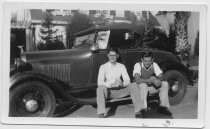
[
  {"x": 178, "y": 84},
  {"x": 32, "y": 99}
]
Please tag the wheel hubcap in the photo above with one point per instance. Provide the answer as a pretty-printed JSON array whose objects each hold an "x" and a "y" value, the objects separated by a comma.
[
  {"x": 31, "y": 105},
  {"x": 175, "y": 87}
]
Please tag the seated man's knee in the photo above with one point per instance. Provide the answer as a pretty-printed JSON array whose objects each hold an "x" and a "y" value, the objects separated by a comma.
[
  {"x": 165, "y": 84},
  {"x": 101, "y": 88},
  {"x": 132, "y": 85},
  {"x": 143, "y": 85}
]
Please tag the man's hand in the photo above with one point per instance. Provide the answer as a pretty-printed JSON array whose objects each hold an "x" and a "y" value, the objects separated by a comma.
[
  {"x": 117, "y": 83},
  {"x": 114, "y": 85},
  {"x": 155, "y": 81},
  {"x": 151, "y": 80}
]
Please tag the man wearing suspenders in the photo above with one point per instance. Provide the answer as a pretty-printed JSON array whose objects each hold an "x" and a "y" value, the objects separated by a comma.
[{"x": 149, "y": 78}]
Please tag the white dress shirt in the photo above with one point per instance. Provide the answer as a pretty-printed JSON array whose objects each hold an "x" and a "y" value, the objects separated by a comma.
[
  {"x": 109, "y": 73},
  {"x": 137, "y": 68}
]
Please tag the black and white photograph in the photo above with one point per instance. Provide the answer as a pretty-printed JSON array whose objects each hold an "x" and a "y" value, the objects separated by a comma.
[{"x": 95, "y": 62}]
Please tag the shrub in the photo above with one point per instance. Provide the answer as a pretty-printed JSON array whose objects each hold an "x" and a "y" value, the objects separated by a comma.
[
  {"x": 164, "y": 42},
  {"x": 54, "y": 45},
  {"x": 196, "y": 48}
]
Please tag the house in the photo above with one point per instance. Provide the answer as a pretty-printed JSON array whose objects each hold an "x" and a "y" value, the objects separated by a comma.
[{"x": 28, "y": 23}]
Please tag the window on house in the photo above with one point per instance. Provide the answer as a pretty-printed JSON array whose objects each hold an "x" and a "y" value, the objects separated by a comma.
[
  {"x": 113, "y": 12},
  {"x": 59, "y": 37},
  {"x": 105, "y": 12},
  {"x": 92, "y": 12},
  {"x": 74, "y": 11}
]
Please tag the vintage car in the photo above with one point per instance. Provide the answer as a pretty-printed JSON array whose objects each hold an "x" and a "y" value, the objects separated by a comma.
[{"x": 43, "y": 77}]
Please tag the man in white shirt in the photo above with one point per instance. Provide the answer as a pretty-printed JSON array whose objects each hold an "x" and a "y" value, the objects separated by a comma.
[
  {"x": 110, "y": 84},
  {"x": 149, "y": 78}
]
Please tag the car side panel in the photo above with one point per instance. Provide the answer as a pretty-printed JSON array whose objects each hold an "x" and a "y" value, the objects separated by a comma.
[
  {"x": 134, "y": 56},
  {"x": 100, "y": 58},
  {"x": 73, "y": 67}
]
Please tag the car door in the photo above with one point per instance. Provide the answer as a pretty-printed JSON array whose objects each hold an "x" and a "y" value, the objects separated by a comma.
[
  {"x": 104, "y": 41},
  {"x": 133, "y": 56}
]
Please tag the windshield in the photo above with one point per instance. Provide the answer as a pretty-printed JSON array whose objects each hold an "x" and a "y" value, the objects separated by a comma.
[
  {"x": 102, "y": 39},
  {"x": 85, "y": 39}
]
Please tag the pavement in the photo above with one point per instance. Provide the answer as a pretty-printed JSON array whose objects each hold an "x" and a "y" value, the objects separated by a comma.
[{"x": 187, "y": 109}]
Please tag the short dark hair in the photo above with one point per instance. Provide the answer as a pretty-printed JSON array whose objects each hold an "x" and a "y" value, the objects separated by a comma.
[
  {"x": 114, "y": 49},
  {"x": 146, "y": 53}
]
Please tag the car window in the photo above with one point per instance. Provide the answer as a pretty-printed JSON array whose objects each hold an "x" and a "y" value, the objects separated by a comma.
[
  {"x": 102, "y": 39},
  {"x": 85, "y": 39},
  {"x": 122, "y": 39}
]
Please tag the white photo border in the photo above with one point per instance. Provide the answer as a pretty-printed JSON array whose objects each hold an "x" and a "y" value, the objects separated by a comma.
[{"x": 125, "y": 122}]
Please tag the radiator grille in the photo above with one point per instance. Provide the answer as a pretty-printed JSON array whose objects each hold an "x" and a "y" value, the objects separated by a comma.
[{"x": 58, "y": 71}]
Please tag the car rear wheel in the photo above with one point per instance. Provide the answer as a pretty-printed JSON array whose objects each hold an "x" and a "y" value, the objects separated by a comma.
[
  {"x": 32, "y": 99},
  {"x": 178, "y": 84}
]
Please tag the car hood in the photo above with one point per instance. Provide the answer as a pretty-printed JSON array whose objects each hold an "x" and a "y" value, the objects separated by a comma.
[{"x": 57, "y": 56}]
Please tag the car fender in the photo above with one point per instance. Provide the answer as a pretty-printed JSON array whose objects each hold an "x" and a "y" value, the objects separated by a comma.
[
  {"x": 32, "y": 75},
  {"x": 171, "y": 65},
  {"x": 58, "y": 88}
]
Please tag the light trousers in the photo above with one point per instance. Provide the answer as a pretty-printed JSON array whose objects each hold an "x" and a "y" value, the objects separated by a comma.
[
  {"x": 163, "y": 93},
  {"x": 104, "y": 93}
]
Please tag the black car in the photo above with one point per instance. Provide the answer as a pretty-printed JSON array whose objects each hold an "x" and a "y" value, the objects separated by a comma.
[{"x": 42, "y": 77}]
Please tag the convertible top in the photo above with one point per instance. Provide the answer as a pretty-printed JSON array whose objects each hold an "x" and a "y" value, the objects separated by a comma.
[{"x": 135, "y": 28}]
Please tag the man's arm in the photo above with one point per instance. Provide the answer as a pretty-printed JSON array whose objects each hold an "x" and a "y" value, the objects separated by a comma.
[
  {"x": 141, "y": 80},
  {"x": 158, "y": 72},
  {"x": 160, "y": 77},
  {"x": 101, "y": 77},
  {"x": 125, "y": 76}
]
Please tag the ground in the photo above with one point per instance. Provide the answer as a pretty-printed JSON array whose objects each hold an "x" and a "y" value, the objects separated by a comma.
[{"x": 187, "y": 109}]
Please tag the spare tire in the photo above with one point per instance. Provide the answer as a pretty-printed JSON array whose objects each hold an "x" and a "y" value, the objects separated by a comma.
[{"x": 178, "y": 85}]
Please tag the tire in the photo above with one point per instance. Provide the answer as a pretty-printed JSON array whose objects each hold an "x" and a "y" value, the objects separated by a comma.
[
  {"x": 178, "y": 84},
  {"x": 32, "y": 99}
]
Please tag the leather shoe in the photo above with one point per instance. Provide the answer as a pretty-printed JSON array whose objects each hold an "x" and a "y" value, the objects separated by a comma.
[
  {"x": 164, "y": 110},
  {"x": 141, "y": 114},
  {"x": 102, "y": 115}
]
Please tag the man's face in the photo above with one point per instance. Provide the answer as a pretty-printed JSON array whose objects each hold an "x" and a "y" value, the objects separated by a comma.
[
  {"x": 112, "y": 56},
  {"x": 147, "y": 61}
]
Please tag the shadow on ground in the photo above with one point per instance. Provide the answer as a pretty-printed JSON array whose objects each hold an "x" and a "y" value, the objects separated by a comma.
[
  {"x": 151, "y": 113},
  {"x": 67, "y": 108}
]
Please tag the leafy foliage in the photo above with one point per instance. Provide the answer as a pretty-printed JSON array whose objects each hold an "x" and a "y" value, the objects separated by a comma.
[
  {"x": 131, "y": 17},
  {"x": 197, "y": 44},
  {"x": 182, "y": 44},
  {"x": 47, "y": 31},
  {"x": 54, "y": 45},
  {"x": 47, "y": 27},
  {"x": 100, "y": 20},
  {"x": 157, "y": 38}
]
